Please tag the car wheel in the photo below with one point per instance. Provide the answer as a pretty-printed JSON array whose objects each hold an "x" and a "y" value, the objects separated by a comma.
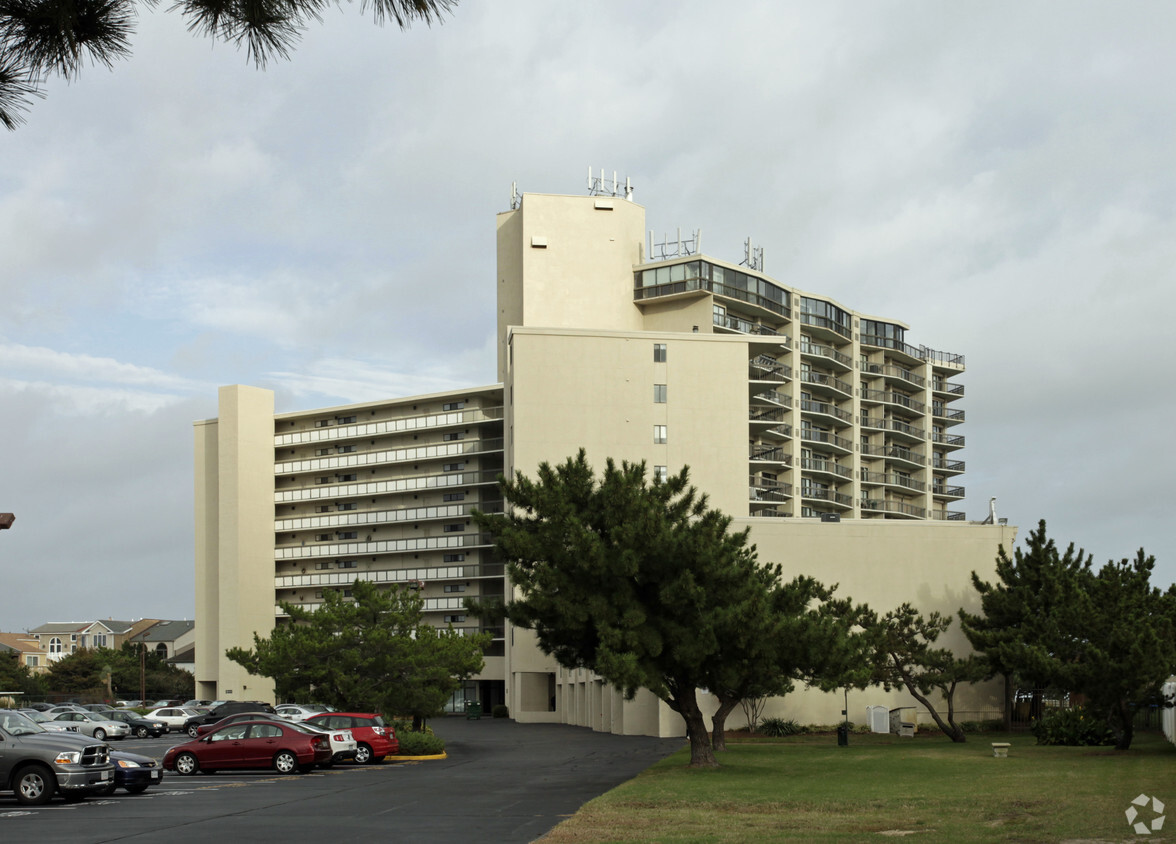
[
  {"x": 135, "y": 789},
  {"x": 99, "y": 734},
  {"x": 141, "y": 732},
  {"x": 285, "y": 762},
  {"x": 34, "y": 786},
  {"x": 192, "y": 731},
  {"x": 363, "y": 754},
  {"x": 187, "y": 764}
]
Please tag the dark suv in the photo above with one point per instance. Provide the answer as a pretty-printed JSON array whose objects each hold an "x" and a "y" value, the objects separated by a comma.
[{"x": 231, "y": 707}]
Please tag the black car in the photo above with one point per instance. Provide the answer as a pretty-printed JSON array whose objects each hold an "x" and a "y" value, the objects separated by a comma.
[
  {"x": 133, "y": 772},
  {"x": 140, "y": 726},
  {"x": 231, "y": 707}
]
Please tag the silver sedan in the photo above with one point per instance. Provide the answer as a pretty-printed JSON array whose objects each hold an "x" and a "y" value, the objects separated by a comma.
[{"x": 90, "y": 725}]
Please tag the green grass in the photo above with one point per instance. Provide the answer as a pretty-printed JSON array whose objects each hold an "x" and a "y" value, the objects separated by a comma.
[{"x": 805, "y": 788}]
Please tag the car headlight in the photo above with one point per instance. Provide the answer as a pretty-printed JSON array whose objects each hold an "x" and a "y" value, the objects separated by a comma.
[
  {"x": 68, "y": 757},
  {"x": 127, "y": 763}
]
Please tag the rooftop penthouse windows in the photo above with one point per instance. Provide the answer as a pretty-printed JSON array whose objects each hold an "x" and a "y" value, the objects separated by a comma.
[{"x": 722, "y": 281}]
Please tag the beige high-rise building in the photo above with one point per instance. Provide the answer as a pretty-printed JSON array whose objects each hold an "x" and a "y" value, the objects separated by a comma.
[{"x": 820, "y": 427}]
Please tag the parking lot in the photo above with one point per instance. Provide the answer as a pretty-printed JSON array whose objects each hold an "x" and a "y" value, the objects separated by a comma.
[{"x": 502, "y": 781}]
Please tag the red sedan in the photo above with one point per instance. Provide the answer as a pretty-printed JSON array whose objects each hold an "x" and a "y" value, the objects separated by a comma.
[
  {"x": 375, "y": 739},
  {"x": 250, "y": 744}
]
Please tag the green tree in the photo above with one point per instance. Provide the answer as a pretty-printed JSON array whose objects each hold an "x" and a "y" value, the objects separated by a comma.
[
  {"x": 905, "y": 656},
  {"x": 39, "y": 38},
  {"x": 1020, "y": 630},
  {"x": 78, "y": 673},
  {"x": 15, "y": 676},
  {"x": 375, "y": 653},
  {"x": 637, "y": 581},
  {"x": 1123, "y": 631}
]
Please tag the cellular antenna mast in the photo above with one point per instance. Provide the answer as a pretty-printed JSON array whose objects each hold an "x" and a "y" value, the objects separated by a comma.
[{"x": 600, "y": 186}]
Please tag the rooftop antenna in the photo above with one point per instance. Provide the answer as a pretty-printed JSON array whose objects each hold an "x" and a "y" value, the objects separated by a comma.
[
  {"x": 601, "y": 186},
  {"x": 516, "y": 198},
  {"x": 676, "y": 248},
  {"x": 753, "y": 256}
]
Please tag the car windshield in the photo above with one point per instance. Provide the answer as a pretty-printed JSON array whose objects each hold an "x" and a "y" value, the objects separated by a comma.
[{"x": 17, "y": 724}]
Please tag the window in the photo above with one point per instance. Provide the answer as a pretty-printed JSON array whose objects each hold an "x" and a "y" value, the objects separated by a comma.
[
  {"x": 453, "y": 558},
  {"x": 453, "y": 467},
  {"x": 349, "y": 505},
  {"x": 100, "y": 640},
  {"x": 454, "y": 496},
  {"x": 659, "y": 393},
  {"x": 32, "y": 661},
  {"x": 322, "y": 480},
  {"x": 323, "y": 508},
  {"x": 455, "y": 587},
  {"x": 454, "y": 436},
  {"x": 659, "y": 433},
  {"x": 350, "y": 477},
  {"x": 453, "y": 405},
  {"x": 660, "y": 473},
  {"x": 348, "y": 534},
  {"x": 659, "y": 352},
  {"x": 346, "y": 564},
  {"x": 346, "y": 420},
  {"x": 345, "y": 449},
  {"x": 318, "y": 593},
  {"x": 320, "y": 452},
  {"x": 322, "y": 564},
  {"x": 454, "y": 619},
  {"x": 454, "y": 528},
  {"x": 322, "y": 423},
  {"x": 161, "y": 650},
  {"x": 322, "y": 537}
]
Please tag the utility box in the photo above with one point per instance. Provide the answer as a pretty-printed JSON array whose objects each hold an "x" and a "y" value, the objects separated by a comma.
[
  {"x": 903, "y": 721},
  {"x": 1168, "y": 716},
  {"x": 473, "y": 710},
  {"x": 878, "y": 717}
]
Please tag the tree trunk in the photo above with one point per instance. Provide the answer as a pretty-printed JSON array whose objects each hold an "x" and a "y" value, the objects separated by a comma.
[
  {"x": 1008, "y": 702},
  {"x": 1124, "y": 725},
  {"x": 719, "y": 722},
  {"x": 686, "y": 705},
  {"x": 950, "y": 729}
]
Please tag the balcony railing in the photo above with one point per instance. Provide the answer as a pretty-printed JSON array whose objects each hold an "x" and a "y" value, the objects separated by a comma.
[
  {"x": 810, "y": 406},
  {"x": 894, "y": 452},
  {"x": 949, "y": 414},
  {"x": 775, "y": 397},
  {"x": 700, "y": 284},
  {"x": 951, "y": 440},
  {"x": 824, "y": 322},
  {"x": 826, "y": 380},
  {"x": 820, "y": 494},
  {"x": 387, "y": 456},
  {"x": 818, "y": 350},
  {"x": 941, "y": 386},
  {"x": 769, "y": 454},
  {"x": 369, "y": 546},
  {"x": 759, "y": 370},
  {"x": 898, "y": 372},
  {"x": 948, "y": 515},
  {"x": 900, "y": 507},
  {"x": 358, "y": 518},
  {"x": 746, "y": 326},
  {"x": 827, "y": 437},
  {"x": 892, "y": 480},
  {"x": 762, "y": 489},
  {"x": 921, "y": 352},
  {"x": 421, "y": 574},
  {"x": 947, "y": 465},
  {"x": 352, "y": 489},
  {"x": 767, "y": 414},
  {"x": 817, "y": 464},
  {"x": 948, "y": 491},
  {"x": 390, "y": 426}
]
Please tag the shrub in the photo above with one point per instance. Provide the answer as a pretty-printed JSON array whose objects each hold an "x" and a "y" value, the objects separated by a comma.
[
  {"x": 779, "y": 727},
  {"x": 1073, "y": 727},
  {"x": 419, "y": 744},
  {"x": 404, "y": 725},
  {"x": 500, "y": 711}
]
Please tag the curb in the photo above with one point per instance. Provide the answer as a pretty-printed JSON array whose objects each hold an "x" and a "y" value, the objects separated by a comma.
[{"x": 415, "y": 758}]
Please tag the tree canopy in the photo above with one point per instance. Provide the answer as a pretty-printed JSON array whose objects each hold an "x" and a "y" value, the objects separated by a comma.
[
  {"x": 375, "y": 653},
  {"x": 639, "y": 581},
  {"x": 115, "y": 673},
  {"x": 15, "y": 676},
  {"x": 40, "y": 38},
  {"x": 1050, "y": 620}
]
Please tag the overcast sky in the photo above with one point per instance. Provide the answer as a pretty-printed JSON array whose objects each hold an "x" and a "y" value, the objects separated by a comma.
[{"x": 999, "y": 176}]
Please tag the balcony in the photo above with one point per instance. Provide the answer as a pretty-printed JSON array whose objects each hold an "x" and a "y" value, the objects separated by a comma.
[
  {"x": 948, "y": 440},
  {"x": 762, "y": 489},
  {"x": 941, "y": 464},
  {"x": 775, "y": 398},
  {"x": 813, "y": 493},
  {"x": 824, "y": 326},
  {"x": 762, "y": 369},
  {"x": 940, "y": 491},
  {"x": 421, "y": 574},
  {"x": 896, "y": 454},
  {"x": 762, "y": 453},
  {"x": 948, "y": 415},
  {"x": 390, "y": 456},
  {"x": 885, "y": 479},
  {"x": 948, "y": 515},
  {"x": 830, "y": 354},
  {"x": 363, "y": 518},
  {"x": 890, "y": 371},
  {"x": 831, "y": 441},
  {"x": 820, "y": 465},
  {"x": 899, "y": 508},
  {"x": 745, "y": 326},
  {"x": 703, "y": 285},
  {"x": 471, "y": 416},
  {"x": 835, "y": 413},
  {"x": 825, "y": 381},
  {"x": 370, "y": 546},
  {"x": 396, "y": 485},
  {"x": 938, "y": 385}
]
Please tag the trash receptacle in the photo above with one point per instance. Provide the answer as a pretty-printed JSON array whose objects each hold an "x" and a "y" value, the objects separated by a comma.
[
  {"x": 842, "y": 735},
  {"x": 473, "y": 709}
]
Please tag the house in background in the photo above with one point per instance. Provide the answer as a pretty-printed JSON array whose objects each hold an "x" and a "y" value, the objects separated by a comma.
[
  {"x": 61, "y": 638},
  {"x": 174, "y": 641},
  {"x": 26, "y": 646}
]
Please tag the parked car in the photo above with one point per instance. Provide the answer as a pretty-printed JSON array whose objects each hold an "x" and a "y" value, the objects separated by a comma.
[
  {"x": 48, "y": 722},
  {"x": 134, "y": 772},
  {"x": 62, "y": 707},
  {"x": 343, "y": 743},
  {"x": 36, "y": 763},
  {"x": 229, "y": 707},
  {"x": 94, "y": 707},
  {"x": 300, "y": 711},
  {"x": 140, "y": 726},
  {"x": 94, "y": 725},
  {"x": 250, "y": 744},
  {"x": 40, "y": 707},
  {"x": 375, "y": 738},
  {"x": 159, "y": 704},
  {"x": 174, "y": 716},
  {"x": 188, "y": 704}
]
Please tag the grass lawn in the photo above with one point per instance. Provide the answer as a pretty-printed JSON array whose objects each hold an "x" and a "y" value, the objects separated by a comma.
[{"x": 883, "y": 788}]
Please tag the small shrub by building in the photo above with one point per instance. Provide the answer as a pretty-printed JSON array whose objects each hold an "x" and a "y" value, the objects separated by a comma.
[{"x": 1074, "y": 727}]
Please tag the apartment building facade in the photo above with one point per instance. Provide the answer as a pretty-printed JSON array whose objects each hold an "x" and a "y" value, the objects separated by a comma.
[{"x": 820, "y": 427}]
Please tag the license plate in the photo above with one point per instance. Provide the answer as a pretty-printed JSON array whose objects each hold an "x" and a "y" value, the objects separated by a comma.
[
  {"x": 155, "y": 775},
  {"x": 107, "y": 774}
]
